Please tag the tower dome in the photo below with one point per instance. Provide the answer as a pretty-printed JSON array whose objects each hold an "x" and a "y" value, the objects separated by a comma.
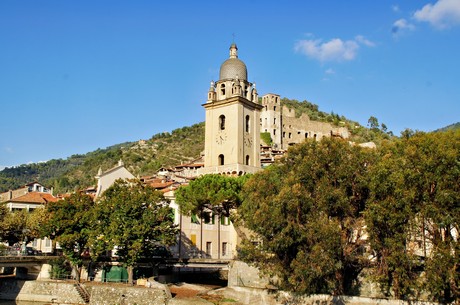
[{"x": 233, "y": 68}]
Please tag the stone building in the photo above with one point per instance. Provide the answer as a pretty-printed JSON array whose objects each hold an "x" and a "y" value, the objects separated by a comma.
[{"x": 286, "y": 129}]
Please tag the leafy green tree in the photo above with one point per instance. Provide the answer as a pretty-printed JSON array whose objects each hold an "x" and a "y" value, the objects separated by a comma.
[
  {"x": 414, "y": 213},
  {"x": 384, "y": 127},
  {"x": 20, "y": 226},
  {"x": 69, "y": 223},
  {"x": 3, "y": 215},
  {"x": 306, "y": 210},
  {"x": 218, "y": 193},
  {"x": 211, "y": 195},
  {"x": 373, "y": 122},
  {"x": 133, "y": 218}
]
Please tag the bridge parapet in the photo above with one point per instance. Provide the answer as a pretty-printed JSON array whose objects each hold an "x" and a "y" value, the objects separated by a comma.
[{"x": 24, "y": 260}]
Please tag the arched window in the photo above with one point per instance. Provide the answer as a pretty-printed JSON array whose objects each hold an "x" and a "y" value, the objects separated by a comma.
[
  {"x": 247, "y": 123},
  {"x": 222, "y": 122},
  {"x": 221, "y": 159},
  {"x": 247, "y": 159},
  {"x": 222, "y": 89}
]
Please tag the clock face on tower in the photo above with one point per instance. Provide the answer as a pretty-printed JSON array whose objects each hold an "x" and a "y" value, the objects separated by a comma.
[
  {"x": 248, "y": 141},
  {"x": 221, "y": 138}
]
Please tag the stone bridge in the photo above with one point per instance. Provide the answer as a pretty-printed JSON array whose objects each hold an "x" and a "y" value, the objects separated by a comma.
[
  {"x": 28, "y": 266},
  {"x": 25, "y": 261},
  {"x": 23, "y": 266}
]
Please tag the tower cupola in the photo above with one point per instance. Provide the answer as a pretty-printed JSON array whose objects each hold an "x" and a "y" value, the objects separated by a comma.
[{"x": 233, "y": 67}]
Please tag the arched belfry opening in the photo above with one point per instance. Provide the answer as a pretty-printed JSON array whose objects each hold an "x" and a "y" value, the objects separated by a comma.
[{"x": 222, "y": 122}]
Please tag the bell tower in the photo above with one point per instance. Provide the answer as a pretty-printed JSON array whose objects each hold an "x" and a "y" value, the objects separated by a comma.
[{"x": 232, "y": 136}]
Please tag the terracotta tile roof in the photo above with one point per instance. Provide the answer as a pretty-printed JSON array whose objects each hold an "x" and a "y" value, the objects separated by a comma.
[
  {"x": 34, "y": 197},
  {"x": 160, "y": 185}
]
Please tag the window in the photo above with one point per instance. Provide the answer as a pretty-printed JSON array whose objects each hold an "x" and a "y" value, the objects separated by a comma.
[
  {"x": 209, "y": 218},
  {"x": 247, "y": 159},
  {"x": 222, "y": 89},
  {"x": 208, "y": 248},
  {"x": 274, "y": 108},
  {"x": 306, "y": 135},
  {"x": 222, "y": 122},
  {"x": 224, "y": 248},
  {"x": 284, "y": 134},
  {"x": 47, "y": 242},
  {"x": 274, "y": 121},
  {"x": 274, "y": 131},
  {"x": 290, "y": 135},
  {"x": 247, "y": 123},
  {"x": 221, "y": 159}
]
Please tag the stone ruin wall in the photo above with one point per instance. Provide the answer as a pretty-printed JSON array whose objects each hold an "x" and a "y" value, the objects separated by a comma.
[{"x": 295, "y": 130}]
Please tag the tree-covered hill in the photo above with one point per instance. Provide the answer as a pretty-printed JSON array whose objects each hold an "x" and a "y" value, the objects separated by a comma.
[
  {"x": 141, "y": 158},
  {"x": 455, "y": 126},
  {"x": 163, "y": 149}
]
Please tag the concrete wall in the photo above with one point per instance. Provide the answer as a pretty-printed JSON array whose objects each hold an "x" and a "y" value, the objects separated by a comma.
[
  {"x": 246, "y": 285},
  {"x": 254, "y": 296},
  {"x": 106, "y": 295},
  {"x": 37, "y": 291},
  {"x": 66, "y": 293},
  {"x": 241, "y": 274}
]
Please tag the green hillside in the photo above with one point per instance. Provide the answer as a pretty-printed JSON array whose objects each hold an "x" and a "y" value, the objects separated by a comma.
[
  {"x": 164, "y": 149},
  {"x": 455, "y": 126},
  {"x": 141, "y": 158}
]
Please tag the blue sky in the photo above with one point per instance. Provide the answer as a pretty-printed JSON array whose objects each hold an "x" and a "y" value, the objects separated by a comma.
[{"x": 80, "y": 75}]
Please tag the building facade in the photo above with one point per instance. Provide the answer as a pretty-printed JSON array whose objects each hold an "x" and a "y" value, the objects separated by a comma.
[{"x": 107, "y": 178}]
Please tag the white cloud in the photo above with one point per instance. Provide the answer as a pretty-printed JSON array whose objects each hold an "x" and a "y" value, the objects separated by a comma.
[
  {"x": 443, "y": 14},
  {"x": 333, "y": 50},
  {"x": 395, "y": 8},
  {"x": 401, "y": 26},
  {"x": 329, "y": 71},
  {"x": 364, "y": 41}
]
